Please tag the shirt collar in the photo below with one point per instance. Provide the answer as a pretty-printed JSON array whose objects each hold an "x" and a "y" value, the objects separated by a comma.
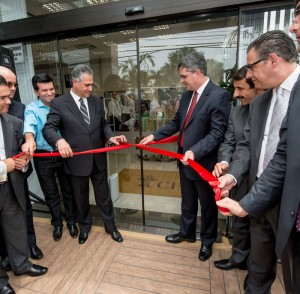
[{"x": 290, "y": 81}]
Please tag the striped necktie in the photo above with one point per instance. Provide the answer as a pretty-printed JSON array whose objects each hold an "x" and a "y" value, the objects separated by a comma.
[{"x": 84, "y": 111}]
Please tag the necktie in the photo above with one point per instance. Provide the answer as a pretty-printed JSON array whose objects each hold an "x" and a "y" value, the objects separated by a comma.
[
  {"x": 276, "y": 120},
  {"x": 188, "y": 116},
  {"x": 298, "y": 220},
  {"x": 84, "y": 111}
]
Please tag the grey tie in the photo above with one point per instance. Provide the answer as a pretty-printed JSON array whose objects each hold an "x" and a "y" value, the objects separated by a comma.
[
  {"x": 84, "y": 111},
  {"x": 276, "y": 120}
]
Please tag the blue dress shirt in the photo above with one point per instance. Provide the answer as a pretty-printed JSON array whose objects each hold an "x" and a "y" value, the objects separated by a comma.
[{"x": 35, "y": 118}]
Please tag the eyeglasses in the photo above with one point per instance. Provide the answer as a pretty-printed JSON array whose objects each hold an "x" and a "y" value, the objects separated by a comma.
[
  {"x": 250, "y": 65},
  {"x": 10, "y": 84}
]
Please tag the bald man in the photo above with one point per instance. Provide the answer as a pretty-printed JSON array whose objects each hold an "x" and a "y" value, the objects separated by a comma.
[{"x": 17, "y": 109}]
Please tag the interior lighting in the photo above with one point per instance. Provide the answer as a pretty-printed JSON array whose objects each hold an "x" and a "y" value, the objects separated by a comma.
[
  {"x": 162, "y": 27},
  {"x": 54, "y": 7}
]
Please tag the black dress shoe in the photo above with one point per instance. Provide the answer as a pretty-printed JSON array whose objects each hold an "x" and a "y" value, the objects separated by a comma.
[
  {"x": 205, "y": 252},
  {"x": 176, "y": 238},
  {"x": 73, "y": 230},
  {"x": 82, "y": 238},
  {"x": 5, "y": 263},
  {"x": 35, "y": 271},
  {"x": 36, "y": 253},
  {"x": 57, "y": 233},
  {"x": 246, "y": 286},
  {"x": 7, "y": 290},
  {"x": 227, "y": 264},
  {"x": 115, "y": 235}
]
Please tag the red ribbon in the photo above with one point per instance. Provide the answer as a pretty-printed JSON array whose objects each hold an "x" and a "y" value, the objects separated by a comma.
[{"x": 203, "y": 173}]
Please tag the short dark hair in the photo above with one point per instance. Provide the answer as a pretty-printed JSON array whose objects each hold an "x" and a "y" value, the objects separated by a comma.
[
  {"x": 241, "y": 74},
  {"x": 3, "y": 81},
  {"x": 40, "y": 78},
  {"x": 276, "y": 42},
  {"x": 194, "y": 61}
]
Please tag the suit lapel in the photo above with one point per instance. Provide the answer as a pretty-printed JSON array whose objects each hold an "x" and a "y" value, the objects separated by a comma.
[
  {"x": 92, "y": 108},
  {"x": 8, "y": 129},
  {"x": 201, "y": 101},
  {"x": 261, "y": 119}
]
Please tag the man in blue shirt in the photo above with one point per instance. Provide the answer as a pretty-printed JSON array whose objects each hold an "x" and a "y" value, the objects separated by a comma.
[{"x": 48, "y": 168}]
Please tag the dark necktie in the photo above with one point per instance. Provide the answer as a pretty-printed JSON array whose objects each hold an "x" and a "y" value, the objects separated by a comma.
[
  {"x": 84, "y": 111},
  {"x": 298, "y": 220},
  {"x": 188, "y": 116}
]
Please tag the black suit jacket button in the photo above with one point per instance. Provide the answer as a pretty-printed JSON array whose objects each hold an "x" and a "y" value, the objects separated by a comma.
[{"x": 292, "y": 213}]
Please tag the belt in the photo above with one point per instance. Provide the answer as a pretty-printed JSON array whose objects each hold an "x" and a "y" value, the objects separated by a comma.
[{"x": 43, "y": 151}]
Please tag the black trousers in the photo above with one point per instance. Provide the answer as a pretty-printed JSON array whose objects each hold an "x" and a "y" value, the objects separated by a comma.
[
  {"x": 3, "y": 278},
  {"x": 13, "y": 221},
  {"x": 193, "y": 191},
  {"x": 29, "y": 222},
  {"x": 241, "y": 239},
  {"x": 48, "y": 169},
  {"x": 102, "y": 196}
]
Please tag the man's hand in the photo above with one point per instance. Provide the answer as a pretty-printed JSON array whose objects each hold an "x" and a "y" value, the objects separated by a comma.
[
  {"x": 10, "y": 163},
  {"x": 220, "y": 169},
  {"x": 29, "y": 146},
  {"x": 188, "y": 155},
  {"x": 233, "y": 206},
  {"x": 115, "y": 140},
  {"x": 147, "y": 140},
  {"x": 226, "y": 183},
  {"x": 64, "y": 148},
  {"x": 21, "y": 162}
]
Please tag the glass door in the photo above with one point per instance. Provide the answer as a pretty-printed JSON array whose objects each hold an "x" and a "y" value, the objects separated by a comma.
[{"x": 161, "y": 47}]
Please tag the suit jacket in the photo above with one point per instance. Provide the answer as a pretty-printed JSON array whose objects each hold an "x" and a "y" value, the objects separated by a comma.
[
  {"x": 234, "y": 134},
  {"x": 280, "y": 180},
  {"x": 66, "y": 117},
  {"x": 206, "y": 128},
  {"x": 13, "y": 139},
  {"x": 16, "y": 109},
  {"x": 246, "y": 156}
]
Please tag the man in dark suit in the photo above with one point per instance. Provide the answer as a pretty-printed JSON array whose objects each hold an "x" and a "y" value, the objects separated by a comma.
[
  {"x": 12, "y": 194},
  {"x": 271, "y": 65},
  {"x": 201, "y": 132},
  {"x": 17, "y": 109},
  {"x": 245, "y": 92},
  {"x": 80, "y": 118}
]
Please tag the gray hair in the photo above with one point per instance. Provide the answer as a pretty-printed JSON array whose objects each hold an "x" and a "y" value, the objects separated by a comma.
[
  {"x": 194, "y": 61},
  {"x": 276, "y": 42},
  {"x": 79, "y": 70}
]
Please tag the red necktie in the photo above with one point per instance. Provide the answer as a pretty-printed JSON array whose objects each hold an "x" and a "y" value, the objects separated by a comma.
[{"x": 188, "y": 116}]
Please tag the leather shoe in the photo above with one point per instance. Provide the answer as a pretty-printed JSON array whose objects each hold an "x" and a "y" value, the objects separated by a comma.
[
  {"x": 82, "y": 238},
  {"x": 205, "y": 252},
  {"x": 5, "y": 263},
  {"x": 246, "y": 286},
  {"x": 227, "y": 264},
  {"x": 35, "y": 271},
  {"x": 115, "y": 235},
  {"x": 176, "y": 238},
  {"x": 7, "y": 290},
  {"x": 73, "y": 230},
  {"x": 57, "y": 233},
  {"x": 36, "y": 253}
]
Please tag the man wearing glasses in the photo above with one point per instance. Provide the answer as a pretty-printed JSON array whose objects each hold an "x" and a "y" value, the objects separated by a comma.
[{"x": 271, "y": 64}]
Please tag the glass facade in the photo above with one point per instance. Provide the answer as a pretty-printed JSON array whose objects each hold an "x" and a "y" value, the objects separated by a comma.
[{"x": 135, "y": 73}]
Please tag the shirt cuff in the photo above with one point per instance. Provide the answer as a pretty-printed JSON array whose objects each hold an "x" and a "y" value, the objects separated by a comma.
[
  {"x": 235, "y": 181},
  {"x": 3, "y": 171}
]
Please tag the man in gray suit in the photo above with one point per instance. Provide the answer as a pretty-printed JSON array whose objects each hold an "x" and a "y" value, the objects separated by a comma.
[
  {"x": 12, "y": 194},
  {"x": 271, "y": 64},
  {"x": 245, "y": 92}
]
